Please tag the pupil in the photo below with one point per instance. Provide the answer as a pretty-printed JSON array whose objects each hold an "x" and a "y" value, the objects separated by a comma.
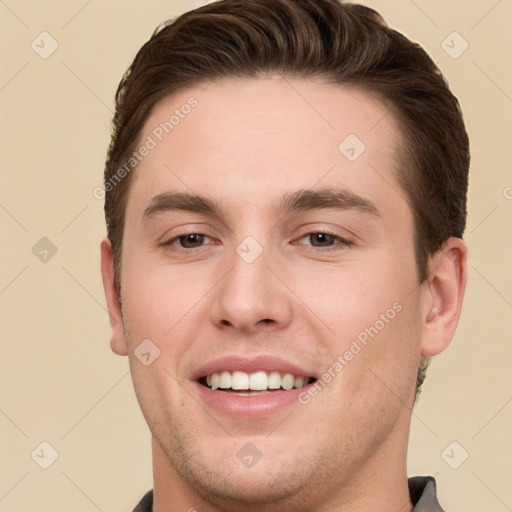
[
  {"x": 191, "y": 240},
  {"x": 323, "y": 238}
]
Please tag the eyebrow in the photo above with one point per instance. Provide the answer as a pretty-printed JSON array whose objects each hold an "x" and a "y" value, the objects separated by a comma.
[
  {"x": 179, "y": 201},
  {"x": 301, "y": 200},
  {"x": 340, "y": 199}
]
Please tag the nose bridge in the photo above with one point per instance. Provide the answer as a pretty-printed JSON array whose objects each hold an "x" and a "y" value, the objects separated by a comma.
[{"x": 250, "y": 296}]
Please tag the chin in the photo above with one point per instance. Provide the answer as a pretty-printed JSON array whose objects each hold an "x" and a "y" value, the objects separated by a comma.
[
  {"x": 224, "y": 481},
  {"x": 246, "y": 488}
]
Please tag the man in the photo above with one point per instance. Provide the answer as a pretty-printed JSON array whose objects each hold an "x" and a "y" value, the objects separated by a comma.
[{"x": 285, "y": 201}]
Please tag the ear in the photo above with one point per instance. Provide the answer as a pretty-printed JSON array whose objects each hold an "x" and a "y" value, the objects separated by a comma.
[
  {"x": 117, "y": 339},
  {"x": 443, "y": 294}
]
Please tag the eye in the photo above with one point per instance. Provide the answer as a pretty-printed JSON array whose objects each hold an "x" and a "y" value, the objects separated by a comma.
[
  {"x": 189, "y": 241},
  {"x": 323, "y": 239},
  {"x": 320, "y": 239}
]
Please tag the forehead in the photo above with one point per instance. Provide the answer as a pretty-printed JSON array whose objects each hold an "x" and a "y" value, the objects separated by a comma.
[{"x": 246, "y": 139}]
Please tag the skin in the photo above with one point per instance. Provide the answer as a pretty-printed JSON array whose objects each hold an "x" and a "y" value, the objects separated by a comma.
[{"x": 246, "y": 145}]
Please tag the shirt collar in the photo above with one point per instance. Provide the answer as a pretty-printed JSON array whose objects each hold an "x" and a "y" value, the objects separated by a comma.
[{"x": 422, "y": 490}]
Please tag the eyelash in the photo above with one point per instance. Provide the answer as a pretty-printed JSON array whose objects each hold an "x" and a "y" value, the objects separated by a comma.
[
  {"x": 341, "y": 241},
  {"x": 169, "y": 243}
]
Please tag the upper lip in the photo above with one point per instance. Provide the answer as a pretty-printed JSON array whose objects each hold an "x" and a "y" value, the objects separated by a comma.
[{"x": 253, "y": 364}]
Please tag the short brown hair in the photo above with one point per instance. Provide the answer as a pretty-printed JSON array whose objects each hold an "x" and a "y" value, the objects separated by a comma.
[{"x": 342, "y": 43}]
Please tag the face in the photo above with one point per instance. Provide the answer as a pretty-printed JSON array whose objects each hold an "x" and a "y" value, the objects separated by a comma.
[{"x": 268, "y": 257}]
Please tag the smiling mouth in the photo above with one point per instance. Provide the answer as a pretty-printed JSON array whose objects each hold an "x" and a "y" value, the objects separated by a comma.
[{"x": 250, "y": 384}]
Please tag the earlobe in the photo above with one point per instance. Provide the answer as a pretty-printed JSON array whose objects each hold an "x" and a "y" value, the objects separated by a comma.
[
  {"x": 444, "y": 291},
  {"x": 117, "y": 339}
]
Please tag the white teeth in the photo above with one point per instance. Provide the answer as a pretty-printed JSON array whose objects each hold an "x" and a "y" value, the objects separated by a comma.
[
  {"x": 299, "y": 382},
  {"x": 258, "y": 381},
  {"x": 274, "y": 380},
  {"x": 225, "y": 380},
  {"x": 239, "y": 380},
  {"x": 215, "y": 380},
  {"x": 288, "y": 381}
]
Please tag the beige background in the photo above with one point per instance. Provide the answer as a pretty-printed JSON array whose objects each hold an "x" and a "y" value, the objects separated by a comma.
[{"x": 59, "y": 381}]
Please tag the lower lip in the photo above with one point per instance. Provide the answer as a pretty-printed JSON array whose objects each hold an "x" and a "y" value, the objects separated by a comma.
[{"x": 249, "y": 407}]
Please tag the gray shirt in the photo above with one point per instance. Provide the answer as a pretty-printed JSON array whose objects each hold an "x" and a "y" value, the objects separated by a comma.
[{"x": 422, "y": 490}]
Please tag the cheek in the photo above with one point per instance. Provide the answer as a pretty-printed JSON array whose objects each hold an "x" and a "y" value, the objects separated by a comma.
[
  {"x": 371, "y": 319},
  {"x": 354, "y": 296},
  {"x": 156, "y": 298},
  {"x": 167, "y": 307},
  {"x": 383, "y": 372}
]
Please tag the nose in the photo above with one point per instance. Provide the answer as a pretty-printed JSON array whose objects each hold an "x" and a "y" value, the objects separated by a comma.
[{"x": 250, "y": 298}]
